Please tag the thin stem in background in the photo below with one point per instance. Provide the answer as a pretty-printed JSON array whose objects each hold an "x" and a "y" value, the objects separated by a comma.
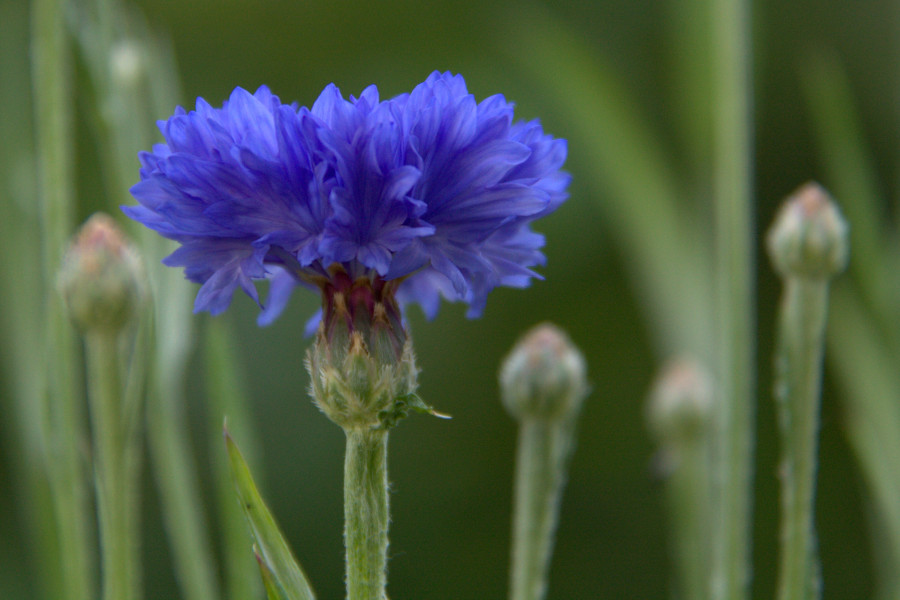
[
  {"x": 185, "y": 520},
  {"x": 366, "y": 513},
  {"x": 687, "y": 494},
  {"x": 679, "y": 416},
  {"x": 22, "y": 318},
  {"x": 63, "y": 410},
  {"x": 125, "y": 92},
  {"x": 733, "y": 245},
  {"x": 798, "y": 388},
  {"x": 543, "y": 449},
  {"x": 807, "y": 244},
  {"x": 543, "y": 383},
  {"x": 115, "y": 480}
]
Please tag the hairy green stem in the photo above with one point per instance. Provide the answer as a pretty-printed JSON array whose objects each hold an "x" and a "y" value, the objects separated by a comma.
[
  {"x": 366, "y": 513},
  {"x": 688, "y": 497},
  {"x": 798, "y": 388},
  {"x": 115, "y": 481},
  {"x": 543, "y": 449},
  {"x": 63, "y": 414},
  {"x": 734, "y": 230}
]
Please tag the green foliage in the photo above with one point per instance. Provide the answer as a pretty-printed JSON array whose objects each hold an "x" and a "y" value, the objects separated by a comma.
[{"x": 277, "y": 563}]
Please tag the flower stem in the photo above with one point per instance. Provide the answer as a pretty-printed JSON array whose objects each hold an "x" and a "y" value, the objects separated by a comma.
[
  {"x": 366, "y": 513},
  {"x": 62, "y": 412},
  {"x": 114, "y": 478},
  {"x": 688, "y": 497},
  {"x": 798, "y": 387},
  {"x": 678, "y": 414},
  {"x": 734, "y": 231},
  {"x": 540, "y": 476}
]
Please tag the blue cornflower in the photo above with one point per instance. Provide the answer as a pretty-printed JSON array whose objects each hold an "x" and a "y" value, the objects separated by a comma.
[{"x": 425, "y": 195}]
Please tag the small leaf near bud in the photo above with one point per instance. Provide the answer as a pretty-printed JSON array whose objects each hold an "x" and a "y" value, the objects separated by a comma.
[
  {"x": 101, "y": 279},
  {"x": 809, "y": 235},
  {"x": 544, "y": 376}
]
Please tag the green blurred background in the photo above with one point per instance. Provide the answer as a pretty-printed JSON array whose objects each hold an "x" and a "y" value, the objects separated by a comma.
[{"x": 451, "y": 480}]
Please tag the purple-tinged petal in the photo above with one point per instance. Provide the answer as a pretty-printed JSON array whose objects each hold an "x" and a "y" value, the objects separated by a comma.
[
  {"x": 281, "y": 286},
  {"x": 430, "y": 186}
]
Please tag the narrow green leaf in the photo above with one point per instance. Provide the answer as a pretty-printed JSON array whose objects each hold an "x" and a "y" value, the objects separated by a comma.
[
  {"x": 272, "y": 550},
  {"x": 274, "y": 591}
]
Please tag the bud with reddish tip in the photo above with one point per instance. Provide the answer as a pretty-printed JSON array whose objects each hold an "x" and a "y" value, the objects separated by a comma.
[
  {"x": 544, "y": 376},
  {"x": 101, "y": 279},
  {"x": 809, "y": 236}
]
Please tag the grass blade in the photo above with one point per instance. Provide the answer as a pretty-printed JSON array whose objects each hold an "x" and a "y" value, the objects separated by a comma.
[{"x": 272, "y": 548}]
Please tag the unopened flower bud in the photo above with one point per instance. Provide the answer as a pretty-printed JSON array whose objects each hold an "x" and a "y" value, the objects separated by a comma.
[
  {"x": 101, "y": 279},
  {"x": 809, "y": 235},
  {"x": 544, "y": 376},
  {"x": 681, "y": 402}
]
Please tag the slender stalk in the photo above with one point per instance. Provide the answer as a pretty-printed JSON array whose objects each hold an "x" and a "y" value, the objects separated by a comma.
[
  {"x": 802, "y": 332},
  {"x": 678, "y": 415},
  {"x": 366, "y": 513},
  {"x": 543, "y": 384},
  {"x": 176, "y": 479},
  {"x": 120, "y": 121},
  {"x": 64, "y": 419},
  {"x": 808, "y": 245},
  {"x": 22, "y": 317},
  {"x": 734, "y": 230},
  {"x": 114, "y": 480},
  {"x": 543, "y": 449},
  {"x": 687, "y": 492}
]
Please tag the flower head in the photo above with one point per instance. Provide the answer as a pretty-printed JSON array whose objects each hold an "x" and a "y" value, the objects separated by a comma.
[{"x": 430, "y": 191}]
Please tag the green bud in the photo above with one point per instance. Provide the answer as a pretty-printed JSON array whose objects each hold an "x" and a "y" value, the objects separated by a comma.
[
  {"x": 809, "y": 235},
  {"x": 101, "y": 279},
  {"x": 681, "y": 402},
  {"x": 544, "y": 376}
]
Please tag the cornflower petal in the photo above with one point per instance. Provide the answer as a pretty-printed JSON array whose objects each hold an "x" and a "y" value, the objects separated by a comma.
[
  {"x": 432, "y": 187},
  {"x": 281, "y": 286}
]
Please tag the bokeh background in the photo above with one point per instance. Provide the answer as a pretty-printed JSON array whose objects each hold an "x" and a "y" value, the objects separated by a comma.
[{"x": 589, "y": 71}]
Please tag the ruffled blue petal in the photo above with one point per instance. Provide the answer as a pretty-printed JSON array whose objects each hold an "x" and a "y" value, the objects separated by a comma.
[
  {"x": 281, "y": 286},
  {"x": 431, "y": 186}
]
